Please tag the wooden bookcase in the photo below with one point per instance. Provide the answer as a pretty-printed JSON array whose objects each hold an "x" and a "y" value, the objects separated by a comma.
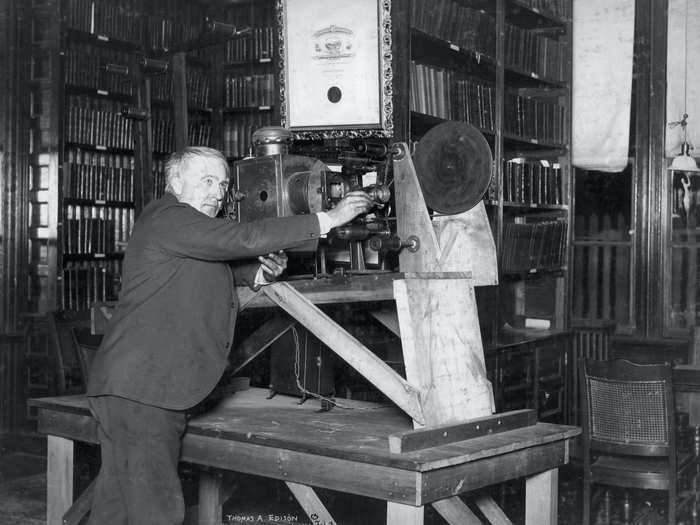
[
  {"x": 94, "y": 67},
  {"x": 248, "y": 76},
  {"x": 505, "y": 67}
]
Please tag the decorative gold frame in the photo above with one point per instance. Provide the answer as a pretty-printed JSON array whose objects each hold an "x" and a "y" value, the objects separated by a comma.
[{"x": 318, "y": 122}]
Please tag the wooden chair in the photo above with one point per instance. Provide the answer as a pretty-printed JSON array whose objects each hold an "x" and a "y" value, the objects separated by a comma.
[{"x": 629, "y": 427}]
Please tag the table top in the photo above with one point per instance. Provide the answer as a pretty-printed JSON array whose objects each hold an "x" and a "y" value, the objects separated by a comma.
[{"x": 358, "y": 432}]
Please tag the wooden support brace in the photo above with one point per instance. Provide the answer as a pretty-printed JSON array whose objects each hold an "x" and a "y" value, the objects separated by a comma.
[
  {"x": 312, "y": 505},
  {"x": 455, "y": 512},
  {"x": 412, "y": 440},
  {"x": 348, "y": 348},
  {"x": 259, "y": 340},
  {"x": 80, "y": 507},
  {"x": 492, "y": 511},
  {"x": 442, "y": 348}
]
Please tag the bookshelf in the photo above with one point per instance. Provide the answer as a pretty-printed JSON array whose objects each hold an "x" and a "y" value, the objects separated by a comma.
[
  {"x": 504, "y": 67},
  {"x": 106, "y": 88},
  {"x": 248, "y": 76}
]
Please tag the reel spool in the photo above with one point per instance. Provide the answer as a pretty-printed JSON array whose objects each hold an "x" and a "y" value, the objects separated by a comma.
[{"x": 453, "y": 164}]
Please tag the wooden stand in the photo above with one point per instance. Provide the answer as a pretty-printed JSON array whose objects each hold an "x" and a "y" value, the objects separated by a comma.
[
  {"x": 456, "y": 446},
  {"x": 346, "y": 450}
]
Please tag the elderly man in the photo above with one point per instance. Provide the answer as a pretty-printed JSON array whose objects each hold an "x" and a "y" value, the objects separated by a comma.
[{"x": 167, "y": 343}]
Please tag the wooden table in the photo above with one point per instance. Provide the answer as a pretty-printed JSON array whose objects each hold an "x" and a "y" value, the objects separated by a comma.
[{"x": 345, "y": 450}]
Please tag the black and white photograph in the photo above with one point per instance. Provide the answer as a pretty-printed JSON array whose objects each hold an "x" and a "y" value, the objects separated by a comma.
[{"x": 349, "y": 262}]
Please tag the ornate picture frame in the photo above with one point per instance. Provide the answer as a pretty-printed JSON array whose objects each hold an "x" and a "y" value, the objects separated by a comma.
[{"x": 335, "y": 72}]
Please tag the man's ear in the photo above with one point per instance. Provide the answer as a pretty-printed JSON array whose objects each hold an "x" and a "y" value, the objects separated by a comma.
[{"x": 176, "y": 184}]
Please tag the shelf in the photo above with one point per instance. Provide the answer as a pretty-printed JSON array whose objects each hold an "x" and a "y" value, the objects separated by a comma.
[
  {"x": 72, "y": 89},
  {"x": 246, "y": 63},
  {"x": 525, "y": 207},
  {"x": 190, "y": 109},
  {"x": 428, "y": 44},
  {"x": 236, "y": 111},
  {"x": 77, "y": 257},
  {"x": 521, "y": 14},
  {"x": 92, "y": 38},
  {"x": 533, "y": 273},
  {"x": 97, "y": 148},
  {"x": 97, "y": 202},
  {"x": 421, "y": 122},
  {"x": 531, "y": 143},
  {"x": 515, "y": 73}
]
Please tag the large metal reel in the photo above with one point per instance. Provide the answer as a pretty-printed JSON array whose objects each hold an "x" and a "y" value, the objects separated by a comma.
[{"x": 453, "y": 163}]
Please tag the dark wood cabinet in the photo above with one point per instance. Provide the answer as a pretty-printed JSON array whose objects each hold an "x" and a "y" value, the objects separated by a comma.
[{"x": 531, "y": 370}]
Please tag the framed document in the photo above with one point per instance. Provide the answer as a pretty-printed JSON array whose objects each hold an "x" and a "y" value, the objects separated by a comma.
[{"x": 335, "y": 59}]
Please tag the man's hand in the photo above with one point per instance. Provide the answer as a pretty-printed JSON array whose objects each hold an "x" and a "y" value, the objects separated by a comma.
[
  {"x": 273, "y": 265},
  {"x": 353, "y": 204}
]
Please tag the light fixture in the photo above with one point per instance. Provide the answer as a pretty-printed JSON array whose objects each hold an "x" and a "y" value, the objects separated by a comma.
[{"x": 684, "y": 161}]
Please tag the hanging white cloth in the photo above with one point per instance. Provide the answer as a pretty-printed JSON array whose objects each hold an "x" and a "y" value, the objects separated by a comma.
[{"x": 603, "y": 47}]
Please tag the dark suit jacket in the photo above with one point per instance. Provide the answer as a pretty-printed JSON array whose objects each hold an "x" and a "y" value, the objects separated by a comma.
[{"x": 169, "y": 337}]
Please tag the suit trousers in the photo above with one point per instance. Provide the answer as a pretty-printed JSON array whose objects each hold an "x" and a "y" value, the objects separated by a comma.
[{"x": 138, "y": 482}]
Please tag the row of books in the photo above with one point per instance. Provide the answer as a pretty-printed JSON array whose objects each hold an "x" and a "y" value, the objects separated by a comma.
[
  {"x": 98, "y": 176},
  {"x": 238, "y": 132},
  {"x": 536, "y": 246},
  {"x": 123, "y": 22},
  {"x": 128, "y": 20},
  {"x": 88, "y": 66},
  {"x": 431, "y": 90},
  {"x": 475, "y": 102},
  {"x": 541, "y": 120},
  {"x": 87, "y": 282},
  {"x": 451, "y": 21},
  {"x": 159, "y": 183},
  {"x": 534, "y": 53},
  {"x": 532, "y": 183},
  {"x": 197, "y": 85},
  {"x": 96, "y": 229},
  {"x": 259, "y": 46},
  {"x": 97, "y": 121},
  {"x": 249, "y": 91},
  {"x": 89, "y": 236},
  {"x": 199, "y": 132}
]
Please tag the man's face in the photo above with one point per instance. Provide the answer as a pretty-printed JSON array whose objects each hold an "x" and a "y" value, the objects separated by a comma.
[{"x": 202, "y": 183}]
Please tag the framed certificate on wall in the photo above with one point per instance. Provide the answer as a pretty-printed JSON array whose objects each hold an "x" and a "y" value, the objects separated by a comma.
[{"x": 335, "y": 59}]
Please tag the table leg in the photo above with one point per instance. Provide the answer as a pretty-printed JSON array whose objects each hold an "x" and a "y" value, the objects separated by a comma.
[
  {"x": 59, "y": 478},
  {"x": 210, "y": 500},
  {"x": 541, "y": 498},
  {"x": 398, "y": 514}
]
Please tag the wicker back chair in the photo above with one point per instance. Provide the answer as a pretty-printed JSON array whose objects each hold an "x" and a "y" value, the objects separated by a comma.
[{"x": 629, "y": 430}]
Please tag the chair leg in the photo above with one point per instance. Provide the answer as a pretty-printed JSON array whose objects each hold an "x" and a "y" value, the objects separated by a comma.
[
  {"x": 607, "y": 504},
  {"x": 586, "y": 501},
  {"x": 626, "y": 509},
  {"x": 672, "y": 505}
]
